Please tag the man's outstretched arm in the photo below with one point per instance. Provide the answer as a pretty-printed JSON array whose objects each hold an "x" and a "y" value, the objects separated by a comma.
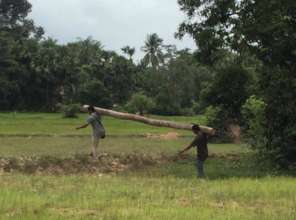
[
  {"x": 82, "y": 126},
  {"x": 193, "y": 143},
  {"x": 188, "y": 148},
  {"x": 185, "y": 150}
]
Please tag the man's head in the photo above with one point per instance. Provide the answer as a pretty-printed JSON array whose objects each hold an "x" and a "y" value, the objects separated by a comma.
[
  {"x": 195, "y": 128},
  {"x": 91, "y": 109}
]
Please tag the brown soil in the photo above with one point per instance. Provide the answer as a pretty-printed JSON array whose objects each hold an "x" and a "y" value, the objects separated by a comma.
[
  {"x": 84, "y": 164},
  {"x": 167, "y": 136},
  {"x": 79, "y": 164},
  {"x": 234, "y": 131}
]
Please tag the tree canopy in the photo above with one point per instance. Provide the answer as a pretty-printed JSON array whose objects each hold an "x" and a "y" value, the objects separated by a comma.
[
  {"x": 266, "y": 29},
  {"x": 245, "y": 49}
]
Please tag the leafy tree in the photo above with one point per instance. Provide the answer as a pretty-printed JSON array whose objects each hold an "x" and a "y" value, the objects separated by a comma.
[
  {"x": 70, "y": 111},
  {"x": 13, "y": 19},
  {"x": 119, "y": 79},
  {"x": 82, "y": 62},
  {"x": 9, "y": 89},
  {"x": 266, "y": 29},
  {"x": 13, "y": 12},
  {"x": 18, "y": 44},
  {"x": 229, "y": 90},
  {"x": 95, "y": 93},
  {"x": 153, "y": 51},
  {"x": 47, "y": 65},
  {"x": 175, "y": 86},
  {"x": 253, "y": 113},
  {"x": 216, "y": 117},
  {"x": 170, "y": 53},
  {"x": 130, "y": 51},
  {"x": 140, "y": 103}
]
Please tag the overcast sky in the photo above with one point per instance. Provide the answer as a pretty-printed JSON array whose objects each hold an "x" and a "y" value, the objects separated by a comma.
[{"x": 115, "y": 23}]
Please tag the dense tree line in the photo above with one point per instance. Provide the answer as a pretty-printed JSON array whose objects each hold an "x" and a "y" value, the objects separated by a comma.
[
  {"x": 39, "y": 74},
  {"x": 243, "y": 71},
  {"x": 265, "y": 29}
]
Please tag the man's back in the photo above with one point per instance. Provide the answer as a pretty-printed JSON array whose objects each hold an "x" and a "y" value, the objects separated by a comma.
[
  {"x": 201, "y": 143},
  {"x": 94, "y": 121}
]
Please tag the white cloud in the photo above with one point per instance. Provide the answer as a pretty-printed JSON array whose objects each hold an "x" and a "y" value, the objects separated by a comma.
[{"x": 115, "y": 23}]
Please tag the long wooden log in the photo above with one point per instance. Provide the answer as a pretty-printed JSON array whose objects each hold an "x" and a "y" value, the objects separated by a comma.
[{"x": 149, "y": 121}]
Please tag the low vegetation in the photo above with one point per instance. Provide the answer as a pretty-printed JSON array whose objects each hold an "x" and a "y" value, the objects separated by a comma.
[{"x": 51, "y": 175}]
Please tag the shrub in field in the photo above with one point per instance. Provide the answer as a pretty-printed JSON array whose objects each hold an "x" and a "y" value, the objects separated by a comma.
[
  {"x": 279, "y": 85},
  {"x": 198, "y": 108},
  {"x": 253, "y": 112},
  {"x": 187, "y": 112},
  {"x": 254, "y": 119},
  {"x": 140, "y": 103},
  {"x": 167, "y": 103},
  {"x": 216, "y": 118},
  {"x": 70, "y": 111}
]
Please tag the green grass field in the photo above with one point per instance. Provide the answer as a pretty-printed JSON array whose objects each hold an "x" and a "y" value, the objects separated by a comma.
[
  {"x": 150, "y": 188},
  {"x": 53, "y": 124}
]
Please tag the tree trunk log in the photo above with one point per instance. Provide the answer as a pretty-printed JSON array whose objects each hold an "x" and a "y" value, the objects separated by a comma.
[{"x": 149, "y": 121}]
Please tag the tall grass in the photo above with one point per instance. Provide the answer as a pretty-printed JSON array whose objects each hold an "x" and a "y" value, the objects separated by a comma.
[{"x": 134, "y": 197}]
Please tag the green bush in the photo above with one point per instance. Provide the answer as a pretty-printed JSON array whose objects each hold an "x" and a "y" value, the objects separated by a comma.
[
  {"x": 140, "y": 103},
  {"x": 95, "y": 93},
  {"x": 167, "y": 103},
  {"x": 187, "y": 112},
  {"x": 70, "y": 110},
  {"x": 198, "y": 108},
  {"x": 253, "y": 112},
  {"x": 229, "y": 90},
  {"x": 216, "y": 118}
]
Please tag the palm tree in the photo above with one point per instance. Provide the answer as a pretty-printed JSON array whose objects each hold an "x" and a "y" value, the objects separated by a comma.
[
  {"x": 130, "y": 51},
  {"x": 153, "y": 48}
]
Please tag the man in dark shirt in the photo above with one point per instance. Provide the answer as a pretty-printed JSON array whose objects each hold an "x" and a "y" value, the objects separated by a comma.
[{"x": 201, "y": 144}]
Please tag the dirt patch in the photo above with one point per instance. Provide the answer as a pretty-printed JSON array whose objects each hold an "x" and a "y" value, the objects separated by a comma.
[
  {"x": 79, "y": 164},
  {"x": 184, "y": 202},
  {"x": 84, "y": 164},
  {"x": 234, "y": 132},
  {"x": 71, "y": 212},
  {"x": 167, "y": 136}
]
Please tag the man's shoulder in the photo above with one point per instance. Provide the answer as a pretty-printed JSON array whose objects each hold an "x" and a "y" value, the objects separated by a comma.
[
  {"x": 200, "y": 136},
  {"x": 90, "y": 118},
  {"x": 195, "y": 141}
]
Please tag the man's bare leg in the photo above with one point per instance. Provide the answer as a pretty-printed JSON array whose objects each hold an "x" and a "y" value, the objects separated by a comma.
[{"x": 95, "y": 143}]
